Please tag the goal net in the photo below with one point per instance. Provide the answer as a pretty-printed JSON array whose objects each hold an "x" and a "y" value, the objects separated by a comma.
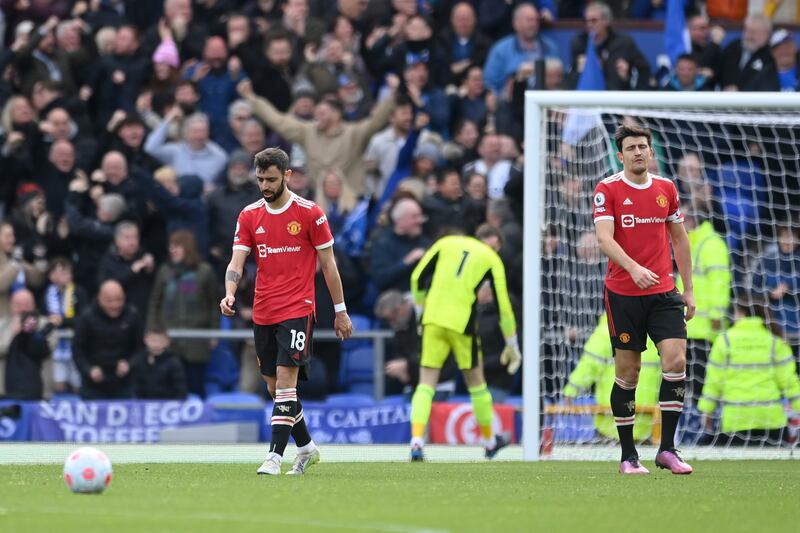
[{"x": 735, "y": 159}]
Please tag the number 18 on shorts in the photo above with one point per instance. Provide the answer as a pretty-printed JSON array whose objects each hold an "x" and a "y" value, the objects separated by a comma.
[{"x": 286, "y": 343}]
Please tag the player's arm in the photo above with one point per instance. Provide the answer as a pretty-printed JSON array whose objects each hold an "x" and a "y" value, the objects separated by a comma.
[
  {"x": 511, "y": 356},
  {"x": 327, "y": 263},
  {"x": 233, "y": 275},
  {"x": 604, "y": 229},
  {"x": 421, "y": 276},
  {"x": 508, "y": 323},
  {"x": 683, "y": 256}
]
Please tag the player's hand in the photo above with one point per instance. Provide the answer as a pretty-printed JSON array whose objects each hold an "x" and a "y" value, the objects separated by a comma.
[
  {"x": 226, "y": 305},
  {"x": 688, "y": 301},
  {"x": 342, "y": 325},
  {"x": 643, "y": 278},
  {"x": 96, "y": 373},
  {"x": 511, "y": 358}
]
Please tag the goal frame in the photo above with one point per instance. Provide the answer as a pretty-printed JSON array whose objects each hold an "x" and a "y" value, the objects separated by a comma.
[{"x": 534, "y": 145}]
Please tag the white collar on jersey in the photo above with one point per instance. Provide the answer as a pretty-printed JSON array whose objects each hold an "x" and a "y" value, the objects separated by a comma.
[
  {"x": 282, "y": 209},
  {"x": 635, "y": 185}
]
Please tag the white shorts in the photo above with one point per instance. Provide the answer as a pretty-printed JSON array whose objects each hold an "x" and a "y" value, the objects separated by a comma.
[{"x": 65, "y": 371}]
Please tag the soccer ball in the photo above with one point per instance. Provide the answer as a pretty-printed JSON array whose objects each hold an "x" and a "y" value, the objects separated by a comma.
[{"x": 87, "y": 470}]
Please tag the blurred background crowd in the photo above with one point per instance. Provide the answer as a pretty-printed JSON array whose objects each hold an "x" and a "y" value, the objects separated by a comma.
[{"x": 129, "y": 127}]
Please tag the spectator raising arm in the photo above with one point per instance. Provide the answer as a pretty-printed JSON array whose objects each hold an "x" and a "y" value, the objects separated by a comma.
[
  {"x": 157, "y": 145},
  {"x": 289, "y": 127}
]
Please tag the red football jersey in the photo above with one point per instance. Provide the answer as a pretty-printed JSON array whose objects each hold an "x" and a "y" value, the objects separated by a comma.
[
  {"x": 285, "y": 244},
  {"x": 640, "y": 214}
]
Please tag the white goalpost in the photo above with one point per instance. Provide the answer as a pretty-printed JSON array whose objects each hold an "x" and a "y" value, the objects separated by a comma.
[{"x": 736, "y": 160}]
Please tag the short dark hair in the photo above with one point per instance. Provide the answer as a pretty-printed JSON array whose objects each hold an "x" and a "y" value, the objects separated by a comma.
[
  {"x": 272, "y": 157},
  {"x": 333, "y": 103},
  {"x": 624, "y": 131},
  {"x": 686, "y": 57},
  {"x": 449, "y": 230},
  {"x": 59, "y": 262},
  {"x": 442, "y": 175},
  {"x": 485, "y": 231},
  {"x": 276, "y": 35}
]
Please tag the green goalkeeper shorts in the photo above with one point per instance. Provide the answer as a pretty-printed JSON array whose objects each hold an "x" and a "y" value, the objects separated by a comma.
[{"x": 438, "y": 342}]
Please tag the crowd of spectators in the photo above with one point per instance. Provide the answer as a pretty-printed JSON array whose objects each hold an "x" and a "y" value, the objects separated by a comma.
[{"x": 128, "y": 130}]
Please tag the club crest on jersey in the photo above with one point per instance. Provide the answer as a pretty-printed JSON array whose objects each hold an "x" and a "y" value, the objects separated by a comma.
[
  {"x": 661, "y": 200},
  {"x": 628, "y": 221},
  {"x": 599, "y": 199},
  {"x": 624, "y": 338},
  {"x": 293, "y": 227}
]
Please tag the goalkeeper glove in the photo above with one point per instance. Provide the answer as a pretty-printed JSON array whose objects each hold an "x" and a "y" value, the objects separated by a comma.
[{"x": 511, "y": 358}]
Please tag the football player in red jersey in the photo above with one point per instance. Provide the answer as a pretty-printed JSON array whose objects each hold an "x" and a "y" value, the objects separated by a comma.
[
  {"x": 286, "y": 234},
  {"x": 636, "y": 216}
]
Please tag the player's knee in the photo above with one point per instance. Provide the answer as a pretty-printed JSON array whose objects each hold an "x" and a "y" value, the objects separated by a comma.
[
  {"x": 630, "y": 375},
  {"x": 673, "y": 362}
]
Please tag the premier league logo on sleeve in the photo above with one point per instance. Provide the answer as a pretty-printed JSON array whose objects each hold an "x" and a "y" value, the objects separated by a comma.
[{"x": 599, "y": 199}]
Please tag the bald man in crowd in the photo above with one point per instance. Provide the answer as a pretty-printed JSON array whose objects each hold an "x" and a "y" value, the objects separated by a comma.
[
  {"x": 397, "y": 249},
  {"x": 107, "y": 335}
]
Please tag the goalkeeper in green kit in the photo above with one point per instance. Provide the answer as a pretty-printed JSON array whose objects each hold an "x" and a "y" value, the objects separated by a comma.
[{"x": 445, "y": 285}]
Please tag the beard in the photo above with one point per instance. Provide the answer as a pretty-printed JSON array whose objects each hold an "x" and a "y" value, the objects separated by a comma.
[{"x": 272, "y": 197}]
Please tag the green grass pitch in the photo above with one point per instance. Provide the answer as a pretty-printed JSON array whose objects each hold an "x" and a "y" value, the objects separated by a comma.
[{"x": 721, "y": 496}]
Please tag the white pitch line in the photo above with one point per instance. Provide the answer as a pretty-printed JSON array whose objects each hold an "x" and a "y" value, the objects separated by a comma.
[{"x": 221, "y": 517}]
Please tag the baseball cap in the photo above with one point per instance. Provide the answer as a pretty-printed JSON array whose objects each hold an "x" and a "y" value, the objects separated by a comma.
[{"x": 780, "y": 36}]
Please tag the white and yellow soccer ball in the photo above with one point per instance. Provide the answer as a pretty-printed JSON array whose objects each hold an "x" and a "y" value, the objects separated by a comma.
[{"x": 87, "y": 470}]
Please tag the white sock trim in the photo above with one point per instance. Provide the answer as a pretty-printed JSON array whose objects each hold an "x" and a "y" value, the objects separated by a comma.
[{"x": 417, "y": 441}]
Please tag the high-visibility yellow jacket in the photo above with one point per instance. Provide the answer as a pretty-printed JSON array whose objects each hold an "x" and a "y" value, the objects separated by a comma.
[
  {"x": 749, "y": 372},
  {"x": 596, "y": 367},
  {"x": 711, "y": 276}
]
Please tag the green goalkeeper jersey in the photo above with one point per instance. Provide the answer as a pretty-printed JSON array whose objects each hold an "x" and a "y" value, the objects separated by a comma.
[{"x": 447, "y": 279}]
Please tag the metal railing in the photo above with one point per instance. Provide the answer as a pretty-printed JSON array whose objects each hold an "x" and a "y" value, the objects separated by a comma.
[{"x": 378, "y": 337}]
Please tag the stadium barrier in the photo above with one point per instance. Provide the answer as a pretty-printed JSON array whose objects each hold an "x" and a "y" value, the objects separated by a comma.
[{"x": 377, "y": 336}]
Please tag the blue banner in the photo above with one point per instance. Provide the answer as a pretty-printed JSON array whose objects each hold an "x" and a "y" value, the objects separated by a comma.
[
  {"x": 15, "y": 421},
  {"x": 385, "y": 422},
  {"x": 113, "y": 421}
]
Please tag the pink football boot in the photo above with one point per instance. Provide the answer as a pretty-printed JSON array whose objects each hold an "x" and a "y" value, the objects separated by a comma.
[
  {"x": 632, "y": 466},
  {"x": 670, "y": 460}
]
